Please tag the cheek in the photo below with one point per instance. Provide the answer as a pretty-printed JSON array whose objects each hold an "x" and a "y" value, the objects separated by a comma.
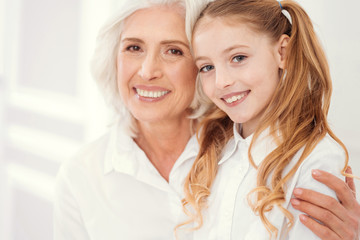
[
  {"x": 266, "y": 91},
  {"x": 208, "y": 87},
  {"x": 193, "y": 78},
  {"x": 266, "y": 79},
  {"x": 184, "y": 76},
  {"x": 208, "y": 83},
  {"x": 124, "y": 69},
  {"x": 272, "y": 82},
  {"x": 189, "y": 74}
]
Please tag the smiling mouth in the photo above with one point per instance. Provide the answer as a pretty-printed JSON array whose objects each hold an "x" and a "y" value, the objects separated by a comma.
[
  {"x": 150, "y": 94},
  {"x": 235, "y": 98}
]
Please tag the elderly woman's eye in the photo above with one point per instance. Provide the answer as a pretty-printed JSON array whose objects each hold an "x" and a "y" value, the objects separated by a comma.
[
  {"x": 175, "y": 51},
  {"x": 133, "y": 48},
  {"x": 206, "y": 68}
]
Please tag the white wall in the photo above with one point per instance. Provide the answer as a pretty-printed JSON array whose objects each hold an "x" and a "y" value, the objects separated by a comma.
[
  {"x": 62, "y": 115},
  {"x": 337, "y": 23},
  {"x": 49, "y": 104}
]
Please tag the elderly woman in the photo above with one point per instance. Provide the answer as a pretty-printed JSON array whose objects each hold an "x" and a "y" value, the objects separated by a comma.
[{"x": 129, "y": 183}]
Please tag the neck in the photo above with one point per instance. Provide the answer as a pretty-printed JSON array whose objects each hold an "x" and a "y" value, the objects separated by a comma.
[
  {"x": 245, "y": 133},
  {"x": 249, "y": 127},
  {"x": 163, "y": 142}
]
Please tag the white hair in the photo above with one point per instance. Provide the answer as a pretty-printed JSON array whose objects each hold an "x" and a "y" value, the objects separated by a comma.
[
  {"x": 193, "y": 12},
  {"x": 194, "y": 9},
  {"x": 103, "y": 64}
]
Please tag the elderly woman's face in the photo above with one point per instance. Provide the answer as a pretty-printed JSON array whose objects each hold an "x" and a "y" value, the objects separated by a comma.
[{"x": 156, "y": 73}]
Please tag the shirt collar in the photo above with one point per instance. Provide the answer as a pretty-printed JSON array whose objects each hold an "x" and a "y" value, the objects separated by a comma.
[
  {"x": 191, "y": 151},
  {"x": 263, "y": 145},
  {"x": 237, "y": 128},
  {"x": 231, "y": 145},
  {"x": 120, "y": 152}
]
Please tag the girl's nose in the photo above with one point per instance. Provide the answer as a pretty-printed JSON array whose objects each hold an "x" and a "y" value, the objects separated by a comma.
[{"x": 223, "y": 78}]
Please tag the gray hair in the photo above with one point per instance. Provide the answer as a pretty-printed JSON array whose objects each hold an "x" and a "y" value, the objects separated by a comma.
[{"x": 103, "y": 64}]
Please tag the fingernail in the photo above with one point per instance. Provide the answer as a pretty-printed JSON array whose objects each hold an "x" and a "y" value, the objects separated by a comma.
[
  {"x": 295, "y": 202},
  {"x": 297, "y": 191},
  {"x": 303, "y": 218},
  {"x": 348, "y": 170},
  {"x": 315, "y": 173}
]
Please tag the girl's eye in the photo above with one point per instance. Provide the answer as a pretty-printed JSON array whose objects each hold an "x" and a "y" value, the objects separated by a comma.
[
  {"x": 175, "y": 52},
  {"x": 133, "y": 48},
  {"x": 206, "y": 68},
  {"x": 238, "y": 58}
]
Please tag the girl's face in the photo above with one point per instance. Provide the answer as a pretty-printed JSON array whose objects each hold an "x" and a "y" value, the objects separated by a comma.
[
  {"x": 155, "y": 69},
  {"x": 239, "y": 68}
]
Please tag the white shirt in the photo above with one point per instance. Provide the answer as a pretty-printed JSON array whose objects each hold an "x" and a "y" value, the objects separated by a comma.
[
  {"x": 110, "y": 190},
  {"x": 229, "y": 215}
]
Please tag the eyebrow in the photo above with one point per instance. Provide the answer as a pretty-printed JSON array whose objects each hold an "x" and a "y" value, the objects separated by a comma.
[
  {"x": 223, "y": 52},
  {"x": 175, "y": 42},
  {"x": 234, "y": 47},
  {"x": 199, "y": 58},
  {"x": 164, "y": 42},
  {"x": 132, "y": 40}
]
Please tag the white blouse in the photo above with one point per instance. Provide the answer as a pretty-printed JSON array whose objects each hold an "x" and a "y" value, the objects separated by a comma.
[
  {"x": 110, "y": 190},
  {"x": 229, "y": 215}
]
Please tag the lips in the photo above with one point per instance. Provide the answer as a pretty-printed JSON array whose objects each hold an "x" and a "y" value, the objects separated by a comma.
[
  {"x": 150, "y": 93},
  {"x": 235, "y": 98}
]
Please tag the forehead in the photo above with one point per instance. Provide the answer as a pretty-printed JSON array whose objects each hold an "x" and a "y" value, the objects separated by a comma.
[
  {"x": 156, "y": 21},
  {"x": 224, "y": 29}
]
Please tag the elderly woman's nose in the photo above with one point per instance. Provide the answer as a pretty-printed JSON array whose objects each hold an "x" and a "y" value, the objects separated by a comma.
[{"x": 150, "y": 68}]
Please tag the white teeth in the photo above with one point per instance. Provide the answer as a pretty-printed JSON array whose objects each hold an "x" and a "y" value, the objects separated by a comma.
[
  {"x": 235, "y": 98},
  {"x": 150, "y": 94}
]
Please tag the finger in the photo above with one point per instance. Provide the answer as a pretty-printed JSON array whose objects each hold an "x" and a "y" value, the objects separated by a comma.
[
  {"x": 323, "y": 215},
  {"x": 321, "y": 200},
  {"x": 343, "y": 192},
  {"x": 319, "y": 230},
  {"x": 350, "y": 181}
]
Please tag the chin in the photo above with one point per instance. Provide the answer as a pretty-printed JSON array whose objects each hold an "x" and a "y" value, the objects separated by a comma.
[{"x": 238, "y": 119}]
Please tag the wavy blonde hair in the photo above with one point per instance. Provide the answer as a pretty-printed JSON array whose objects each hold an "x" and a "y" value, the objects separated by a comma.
[{"x": 298, "y": 108}]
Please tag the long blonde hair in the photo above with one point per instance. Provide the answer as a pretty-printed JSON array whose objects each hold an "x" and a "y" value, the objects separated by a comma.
[{"x": 298, "y": 109}]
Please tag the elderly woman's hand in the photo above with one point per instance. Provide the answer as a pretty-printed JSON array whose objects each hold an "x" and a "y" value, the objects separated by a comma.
[{"x": 340, "y": 220}]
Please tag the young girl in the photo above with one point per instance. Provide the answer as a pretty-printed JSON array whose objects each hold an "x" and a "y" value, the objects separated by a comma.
[{"x": 266, "y": 71}]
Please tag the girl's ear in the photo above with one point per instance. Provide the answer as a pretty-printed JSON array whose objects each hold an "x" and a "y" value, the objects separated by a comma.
[{"x": 282, "y": 43}]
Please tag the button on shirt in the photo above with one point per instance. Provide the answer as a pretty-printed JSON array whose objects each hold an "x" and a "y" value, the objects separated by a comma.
[
  {"x": 110, "y": 190},
  {"x": 229, "y": 215}
]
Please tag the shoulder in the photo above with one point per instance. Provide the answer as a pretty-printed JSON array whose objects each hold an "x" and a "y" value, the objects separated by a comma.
[
  {"x": 329, "y": 145},
  {"x": 327, "y": 154}
]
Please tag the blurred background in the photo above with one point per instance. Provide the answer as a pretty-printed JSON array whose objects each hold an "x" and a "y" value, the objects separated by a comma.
[{"x": 50, "y": 106}]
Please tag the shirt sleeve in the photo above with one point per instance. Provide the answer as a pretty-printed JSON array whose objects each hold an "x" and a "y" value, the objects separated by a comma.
[
  {"x": 68, "y": 222},
  {"x": 328, "y": 158}
]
